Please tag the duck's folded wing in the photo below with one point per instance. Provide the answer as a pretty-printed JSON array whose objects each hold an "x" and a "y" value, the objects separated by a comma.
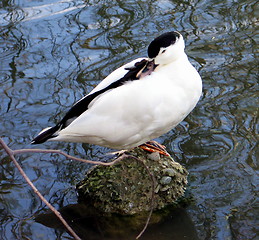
[{"x": 128, "y": 72}]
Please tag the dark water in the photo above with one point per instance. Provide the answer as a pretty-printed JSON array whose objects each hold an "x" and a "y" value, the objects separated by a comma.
[{"x": 54, "y": 52}]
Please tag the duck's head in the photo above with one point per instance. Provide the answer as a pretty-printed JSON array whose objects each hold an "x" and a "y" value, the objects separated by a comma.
[{"x": 166, "y": 48}]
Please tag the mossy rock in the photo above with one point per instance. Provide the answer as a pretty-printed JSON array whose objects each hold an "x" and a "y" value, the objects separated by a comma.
[{"x": 126, "y": 187}]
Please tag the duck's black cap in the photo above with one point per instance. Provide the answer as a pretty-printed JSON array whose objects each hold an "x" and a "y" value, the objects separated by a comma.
[{"x": 164, "y": 41}]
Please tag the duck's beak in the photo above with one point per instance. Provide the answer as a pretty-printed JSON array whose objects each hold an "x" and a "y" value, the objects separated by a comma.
[{"x": 148, "y": 69}]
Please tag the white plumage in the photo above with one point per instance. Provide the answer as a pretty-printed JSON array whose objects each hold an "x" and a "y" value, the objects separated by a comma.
[{"x": 124, "y": 111}]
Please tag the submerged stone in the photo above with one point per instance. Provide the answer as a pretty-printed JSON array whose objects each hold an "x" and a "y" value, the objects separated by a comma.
[{"x": 127, "y": 186}]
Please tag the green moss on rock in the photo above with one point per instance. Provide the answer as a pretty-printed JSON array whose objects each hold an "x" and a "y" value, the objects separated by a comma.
[{"x": 126, "y": 187}]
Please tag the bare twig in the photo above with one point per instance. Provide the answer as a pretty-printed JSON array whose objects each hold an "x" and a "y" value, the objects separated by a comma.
[
  {"x": 11, "y": 154},
  {"x": 57, "y": 213},
  {"x": 20, "y": 151},
  {"x": 152, "y": 195}
]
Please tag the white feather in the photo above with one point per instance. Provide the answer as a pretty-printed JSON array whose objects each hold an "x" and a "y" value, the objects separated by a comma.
[{"x": 140, "y": 110}]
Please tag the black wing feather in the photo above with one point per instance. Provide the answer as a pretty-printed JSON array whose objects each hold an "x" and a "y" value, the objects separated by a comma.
[{"x": 81, "y": 106}]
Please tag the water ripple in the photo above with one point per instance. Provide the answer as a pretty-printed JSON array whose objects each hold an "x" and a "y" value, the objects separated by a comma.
[
  {"x": 41, "y": 11},
  {"x": 54, "y": 52}
]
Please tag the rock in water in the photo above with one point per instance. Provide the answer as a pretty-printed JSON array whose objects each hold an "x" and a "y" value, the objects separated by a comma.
[{"x": 126, "y": 187}]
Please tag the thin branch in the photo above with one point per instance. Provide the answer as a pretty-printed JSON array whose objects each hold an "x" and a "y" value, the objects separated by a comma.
[
  {"x": 11, "y": 154},
  {"x": 152, "y": 196},
  {"x": 20, "y": 151},
  {"x": 57, "y": 213}
]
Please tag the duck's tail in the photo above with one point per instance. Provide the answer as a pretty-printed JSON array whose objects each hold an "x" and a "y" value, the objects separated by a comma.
[{"x": 46, "y": 134}]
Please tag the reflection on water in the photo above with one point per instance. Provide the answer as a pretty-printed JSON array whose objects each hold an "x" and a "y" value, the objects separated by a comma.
[
  {"x": 54, "y": 52},
  {"x": 83, "y": 220}
]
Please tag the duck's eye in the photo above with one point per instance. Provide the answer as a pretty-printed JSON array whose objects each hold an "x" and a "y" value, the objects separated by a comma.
[{"x": 163, "y": 51}]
